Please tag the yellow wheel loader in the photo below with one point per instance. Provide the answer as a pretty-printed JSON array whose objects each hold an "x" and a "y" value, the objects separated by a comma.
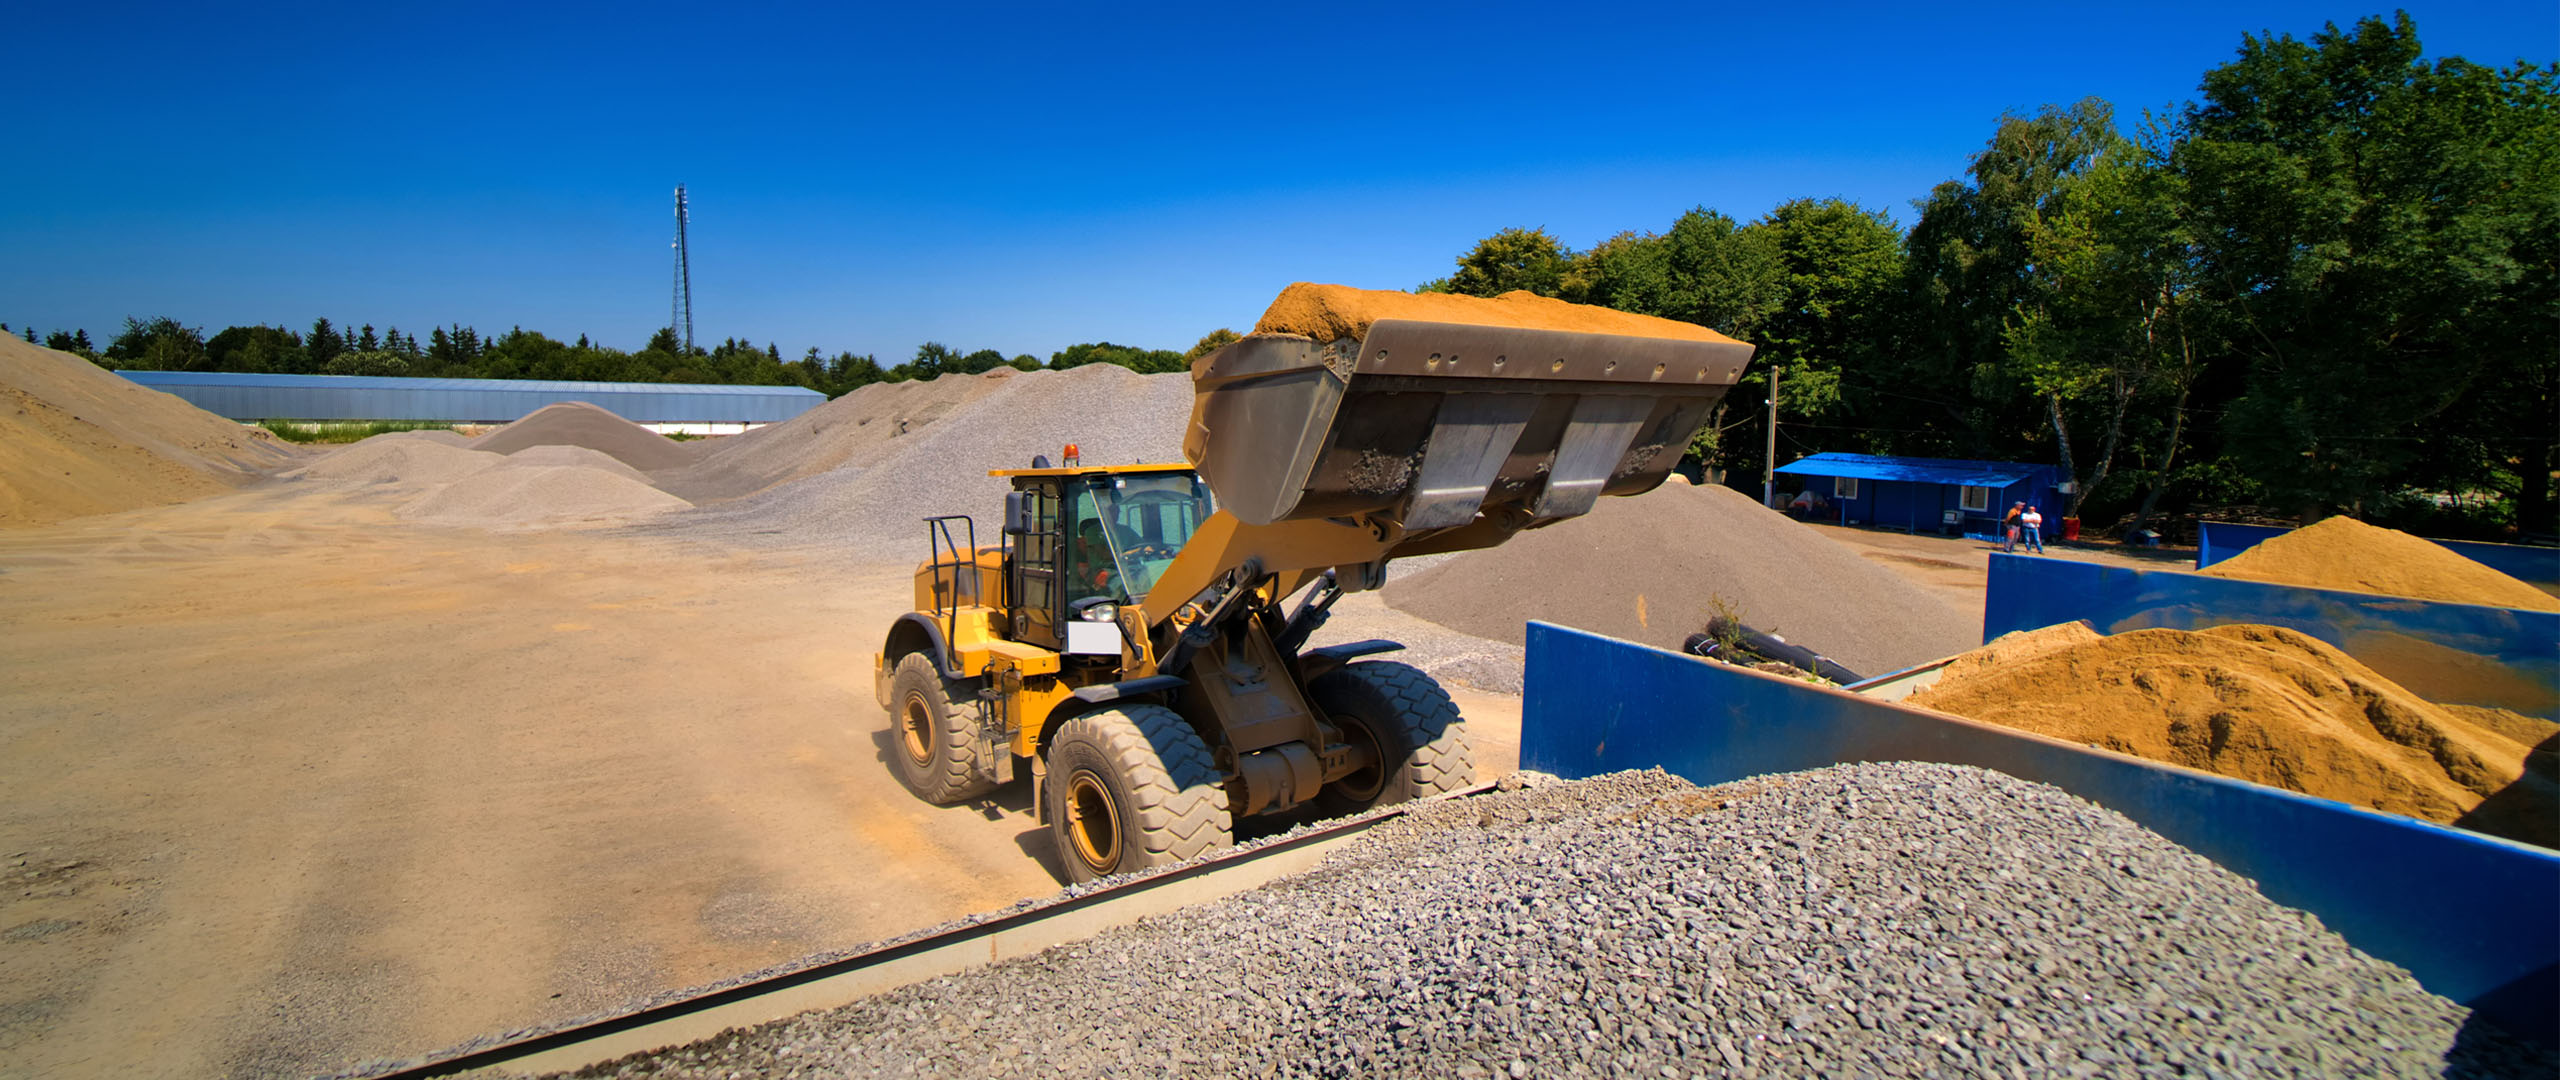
[{"x": 1130, "y": 641}]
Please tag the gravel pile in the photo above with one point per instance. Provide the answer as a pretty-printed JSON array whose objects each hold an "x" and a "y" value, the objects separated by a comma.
[
  {"x": 1882, "y": 919},
  {"x": 540, "y": 496},
  {"x": 876, "y": 510},
  {"x": 576, "y": 423},
  {"x": 447, "y": 436},
  {"x": 1655, "y": 567},
  {"x": 851, "y": 430},
  {"x": 1442, "y": 653},
  {"x": 385, "y": 459},
  {"x": 573, "y": 455}
]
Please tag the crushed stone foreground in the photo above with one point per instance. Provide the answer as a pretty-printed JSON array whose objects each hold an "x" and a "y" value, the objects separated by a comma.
[{"x": 1880, "y": 919}]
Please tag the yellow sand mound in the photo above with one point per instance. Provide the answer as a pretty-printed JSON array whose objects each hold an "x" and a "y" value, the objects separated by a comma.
[
  {"x": 2343, "y": 553},
  {"x": 1335, "y": 312},
  {"x": 2265, "y": 704},
  {"x": 76, "y": 439}
]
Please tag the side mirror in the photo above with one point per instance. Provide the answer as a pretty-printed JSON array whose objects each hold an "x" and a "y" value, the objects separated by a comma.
[{"x": 1017, "y": 513}]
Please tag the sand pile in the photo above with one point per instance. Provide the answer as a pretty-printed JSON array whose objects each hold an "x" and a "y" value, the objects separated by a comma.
[
  {"x": 2268, "y": 705},
  {"x": 2343, "y": 553},
  {"x": 851, "y": 430},
  {"x": 574, "y": 455},
  {"x": 76, "y": 439},
  {"x": 877, "y": 507},
  {"x": 387, "y": 460},
  {"x": 1333, "y": 312},
  {"x": 447, "y": 436},
  {"x": 1655, "y": 567},
  {"x": 576, "y": 423},
  {"x": 519, "y": 495}
]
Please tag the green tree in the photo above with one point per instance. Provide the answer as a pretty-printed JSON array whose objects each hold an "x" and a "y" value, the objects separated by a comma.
[
  {"x": 1212, "y": 342},
  {"x": 1831, "y": 272},
  {"x": 2119, "y": 327},
  {"x": 323, "y": 343},
  {"x": 2376, "y": 233},
  {"x": 1972, "y": 276},
  {"x": 1513, "y": 259},
  {"x": 853, "y": 372},
  {"x": 932, "y": 359},
  {"x": 74, "y": 341},
  {"x": 1144, "y": 361},
  {"x": 257, "y": 348},
  {"x": 1707, "y": 270},
  {"x": 375, "y": 362},
  {"x": 162, "y": 344}
]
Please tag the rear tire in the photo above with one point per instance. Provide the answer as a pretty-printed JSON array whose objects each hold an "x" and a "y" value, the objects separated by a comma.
[
  {"x": 1132, "y": 788},
  {"x": 1418, "y": 742},
  {"x": 934, "y": 741}
]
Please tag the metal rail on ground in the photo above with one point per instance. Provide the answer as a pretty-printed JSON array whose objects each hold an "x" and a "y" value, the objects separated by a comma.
[{"x": 877, "y": 971}]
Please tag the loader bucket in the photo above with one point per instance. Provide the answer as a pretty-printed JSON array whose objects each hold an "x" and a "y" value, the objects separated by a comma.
[{"x": 1429, "y": 425}]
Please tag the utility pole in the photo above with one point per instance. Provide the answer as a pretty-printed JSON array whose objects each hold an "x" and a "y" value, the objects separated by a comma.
[
  {"x": 1769, "y": 465},
  {"x": 682, "y": 320}
]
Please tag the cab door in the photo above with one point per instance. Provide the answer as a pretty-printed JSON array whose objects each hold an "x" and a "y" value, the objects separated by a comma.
[{"x": 1038, "y": 600}]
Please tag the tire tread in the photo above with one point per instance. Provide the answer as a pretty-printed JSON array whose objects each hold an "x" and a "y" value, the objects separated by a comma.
[
  {"x": 1179, "y": 799},
  {"x": 1444, "y": 752},
  {"x": 962, "y": 776}
]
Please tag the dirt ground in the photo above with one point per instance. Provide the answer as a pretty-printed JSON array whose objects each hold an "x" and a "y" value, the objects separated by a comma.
[
  {"x": 1959, "y": 568},
  {"x": 287, "y": 784}
]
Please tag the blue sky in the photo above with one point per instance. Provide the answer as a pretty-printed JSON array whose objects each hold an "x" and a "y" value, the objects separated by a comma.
[{"x": 1010, "y": 177}]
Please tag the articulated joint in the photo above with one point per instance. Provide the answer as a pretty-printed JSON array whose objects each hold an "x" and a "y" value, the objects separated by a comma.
[
  {"x": 1106, "y": 693},
  {"x": 1279, "y": 778}
]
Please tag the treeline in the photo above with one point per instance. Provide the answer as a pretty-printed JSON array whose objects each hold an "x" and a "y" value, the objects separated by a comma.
[
  {"x": 164, "y": 344},
  {"x": 2327, "y": 285},
  {"x": 2333, "y": 283}
]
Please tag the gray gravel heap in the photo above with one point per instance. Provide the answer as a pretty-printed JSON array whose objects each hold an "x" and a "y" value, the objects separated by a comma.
[
  {"x": 1888, "y": 920},
  {"x": 873, "y": 505}
]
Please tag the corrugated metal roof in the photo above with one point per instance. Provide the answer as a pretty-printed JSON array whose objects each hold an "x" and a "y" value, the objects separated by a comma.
[
  {"x": 1916, "y": 470},
  {"x": 250, "y": 396}
]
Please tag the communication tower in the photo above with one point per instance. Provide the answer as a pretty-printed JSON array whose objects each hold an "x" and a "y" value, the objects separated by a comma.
[{"x": 683, "y": 320}]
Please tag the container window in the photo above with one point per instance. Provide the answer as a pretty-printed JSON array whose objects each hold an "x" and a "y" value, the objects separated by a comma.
[
  {"x": 1977, "y": 499},
  {"x": 1844, "y": 487}
]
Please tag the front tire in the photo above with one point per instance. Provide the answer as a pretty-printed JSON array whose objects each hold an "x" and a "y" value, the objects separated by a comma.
[
  {"x": 1132, "y": 788},
  {"x": 1418, "y": 743},
  {"x": 934, "y": 739}
]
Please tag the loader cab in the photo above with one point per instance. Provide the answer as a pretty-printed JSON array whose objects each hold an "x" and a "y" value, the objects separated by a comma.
[{"x": 1086, "y": 540}]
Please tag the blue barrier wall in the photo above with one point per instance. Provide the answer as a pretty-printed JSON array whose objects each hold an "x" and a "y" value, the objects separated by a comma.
[
  {"x": 2464, "y": 654},
  {"x": 2219, "y": 540},
  {"x": 2471, "y": 917}
]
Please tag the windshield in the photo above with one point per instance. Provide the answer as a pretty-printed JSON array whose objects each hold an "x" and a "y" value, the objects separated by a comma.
[{"x": 1129, "y": 528}]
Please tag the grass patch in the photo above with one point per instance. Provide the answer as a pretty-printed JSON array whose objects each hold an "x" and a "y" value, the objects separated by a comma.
[
  {"x": 334, "y": 432},
  {"x": 683, "y": 436}
]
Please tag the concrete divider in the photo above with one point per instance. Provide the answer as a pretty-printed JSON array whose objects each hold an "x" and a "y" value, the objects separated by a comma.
[
  {"x": 2219, "y": 540},
  {"x": 2465, "y": 654},
  {"x": 2471, "y": 916}
]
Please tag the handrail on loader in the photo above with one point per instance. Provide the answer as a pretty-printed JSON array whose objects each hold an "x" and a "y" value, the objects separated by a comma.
[{"x": 937, "y": 533}]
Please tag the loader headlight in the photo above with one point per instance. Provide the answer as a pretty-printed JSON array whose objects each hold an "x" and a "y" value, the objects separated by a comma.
[{"x": 1099, "y": 612}]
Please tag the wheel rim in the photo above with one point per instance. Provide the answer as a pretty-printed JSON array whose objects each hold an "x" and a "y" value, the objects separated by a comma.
[
  {"x": 1370, "y": 780},
  {"x": 916, "y": 730},
  {"x": 1093, "y": 826}
]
